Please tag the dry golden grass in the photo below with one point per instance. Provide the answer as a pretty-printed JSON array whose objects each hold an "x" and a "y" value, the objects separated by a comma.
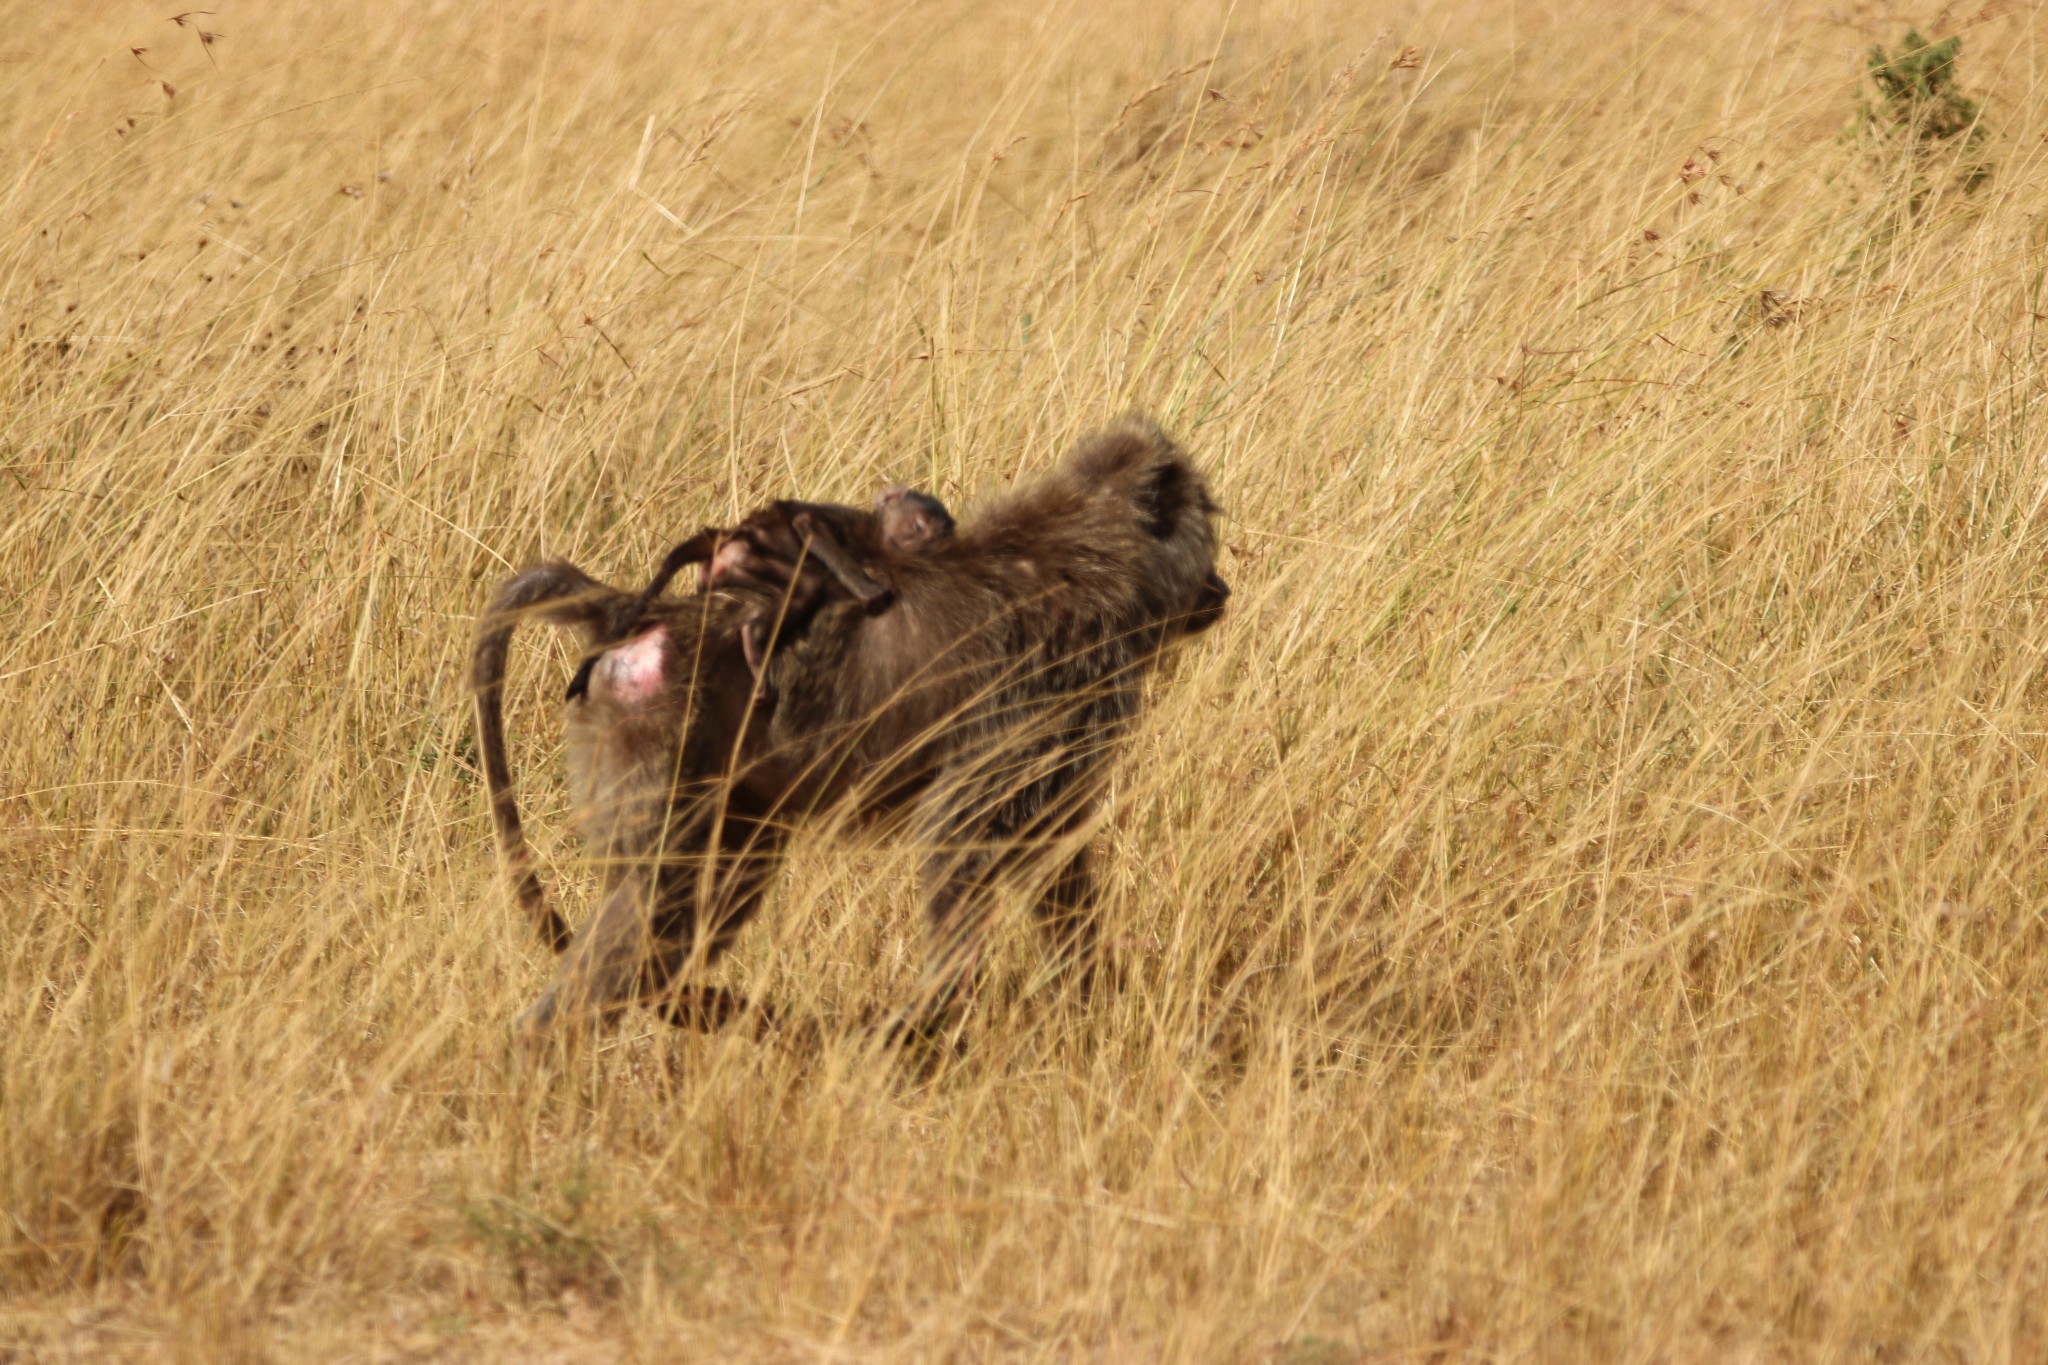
[{"x": 1583, "y": 903}]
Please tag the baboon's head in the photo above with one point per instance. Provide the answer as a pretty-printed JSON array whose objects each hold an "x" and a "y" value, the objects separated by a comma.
[
  {"x": 910, "y": 520},
  {"x": 1174, "y": 506},
  {"x": 1172, "y": 515},
  {"x": 1209, "y": 602}
]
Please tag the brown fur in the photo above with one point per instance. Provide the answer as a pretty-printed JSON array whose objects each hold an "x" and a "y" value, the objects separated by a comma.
[
  {"x": 652, "y": 770},
  {"x": 978, "y": 710},
  {"x": 794, "y": 554}
]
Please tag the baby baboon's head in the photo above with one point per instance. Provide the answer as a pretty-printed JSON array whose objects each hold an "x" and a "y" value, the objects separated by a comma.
[{"x": 910, "y": 520}]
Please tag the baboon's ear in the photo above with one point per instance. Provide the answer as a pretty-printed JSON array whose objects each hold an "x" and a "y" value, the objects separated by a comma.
[{"x": 1164, "y": 494}]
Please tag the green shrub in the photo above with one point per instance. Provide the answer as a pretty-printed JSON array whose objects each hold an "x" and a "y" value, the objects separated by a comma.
[{"x": 1918, "y": 101}]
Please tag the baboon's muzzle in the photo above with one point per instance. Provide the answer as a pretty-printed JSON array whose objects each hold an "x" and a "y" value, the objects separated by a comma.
[{"x": 1208, "y": 604}]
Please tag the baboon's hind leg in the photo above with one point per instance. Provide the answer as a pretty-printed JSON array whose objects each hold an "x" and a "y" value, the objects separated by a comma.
[{"x": 650, "y": 926}]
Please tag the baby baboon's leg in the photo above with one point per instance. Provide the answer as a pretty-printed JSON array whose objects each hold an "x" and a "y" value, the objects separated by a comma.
[
  {"x": 754, "y": 644},
  {"x": 824, "y": 545},
  {"x": 701, "y": 548}
]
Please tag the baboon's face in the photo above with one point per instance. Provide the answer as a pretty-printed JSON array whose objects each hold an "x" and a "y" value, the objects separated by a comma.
[
  {"x": 1209, "y": 603},
  {"x": 911, "y": 520}
]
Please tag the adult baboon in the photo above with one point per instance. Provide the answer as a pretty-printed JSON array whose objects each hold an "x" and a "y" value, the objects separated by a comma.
[
  {"x": 978, "y": 709},
  {"x": 1011, "y": 662}
]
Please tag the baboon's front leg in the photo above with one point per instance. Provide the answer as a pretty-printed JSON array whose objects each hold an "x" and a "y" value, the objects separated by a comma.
[
  {"x": 1066, "y": 912},
  {"x": 995, "y": 833}
]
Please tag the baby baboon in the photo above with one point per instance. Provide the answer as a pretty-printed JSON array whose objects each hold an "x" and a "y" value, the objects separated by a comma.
[
  {"x": 978, "y": 710},
  {"x": 780, "y": 548},
  {"x": 794, "y": 553}
]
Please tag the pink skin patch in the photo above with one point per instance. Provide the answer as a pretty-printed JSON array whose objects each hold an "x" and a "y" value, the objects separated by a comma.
[
  {"x": 632, "y": 671},
  {"x": 731, "y": 556}
]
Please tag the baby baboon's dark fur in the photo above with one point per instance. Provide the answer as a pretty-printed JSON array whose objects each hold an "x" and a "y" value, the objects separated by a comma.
[{"x": 794, "y": 554}]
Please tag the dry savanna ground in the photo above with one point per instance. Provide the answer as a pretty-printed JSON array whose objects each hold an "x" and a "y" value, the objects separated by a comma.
[{"x": 1583, "y": 903}]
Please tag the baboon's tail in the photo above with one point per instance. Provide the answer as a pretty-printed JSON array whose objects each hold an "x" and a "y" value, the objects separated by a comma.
[
  {"x": 563, "y": 595},
  {"x": 698, "y": 549}
]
